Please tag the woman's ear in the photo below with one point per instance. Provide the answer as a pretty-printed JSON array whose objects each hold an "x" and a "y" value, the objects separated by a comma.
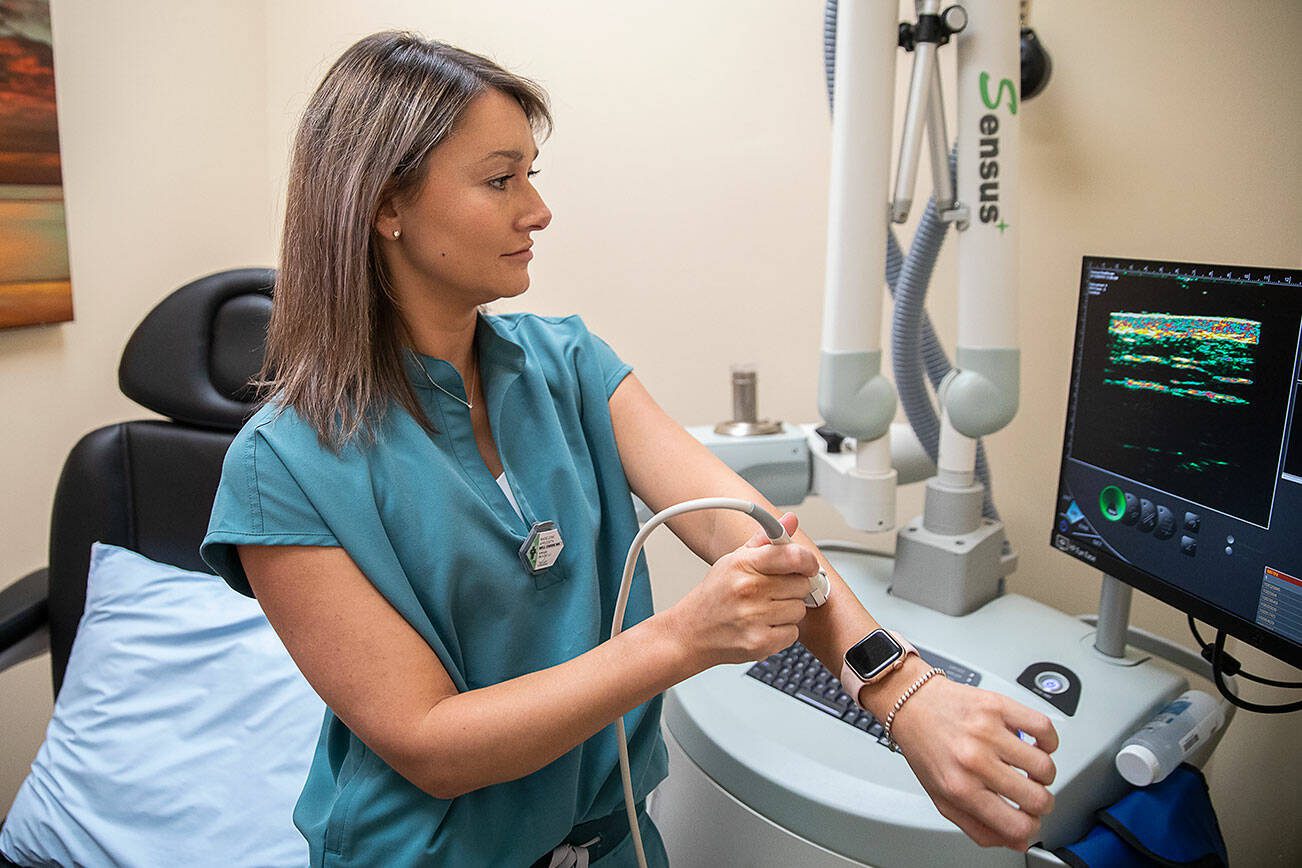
[{"x": 387, "y": 221}]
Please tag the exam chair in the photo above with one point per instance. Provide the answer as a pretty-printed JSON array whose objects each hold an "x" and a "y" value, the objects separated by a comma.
[{"x": 147, "y": 485}]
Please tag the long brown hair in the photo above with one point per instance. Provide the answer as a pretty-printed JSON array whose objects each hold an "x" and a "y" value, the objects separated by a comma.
[{"x": 334, "y": 345}]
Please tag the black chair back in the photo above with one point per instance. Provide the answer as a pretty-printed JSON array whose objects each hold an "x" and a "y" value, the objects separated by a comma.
[{"x": 148, "y": 485}]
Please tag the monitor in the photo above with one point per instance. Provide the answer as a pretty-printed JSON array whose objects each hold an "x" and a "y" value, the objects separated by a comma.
[{"x": 1182, "y": 460}]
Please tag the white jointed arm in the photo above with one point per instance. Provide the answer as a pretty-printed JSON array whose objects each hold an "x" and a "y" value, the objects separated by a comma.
[
  {"x": 981, "y": 397},
  {"x": 853, "y": 396}
]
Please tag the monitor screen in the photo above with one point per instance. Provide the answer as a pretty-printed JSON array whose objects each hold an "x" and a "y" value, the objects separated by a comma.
[{"x": 1182, "y": 460}]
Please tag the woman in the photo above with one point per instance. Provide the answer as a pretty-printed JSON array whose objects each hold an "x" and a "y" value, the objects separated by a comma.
[{"x": 382, "y": 507}]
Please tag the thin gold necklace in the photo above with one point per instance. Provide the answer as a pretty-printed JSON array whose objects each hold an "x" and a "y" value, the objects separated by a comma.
[{"x": 468, "y": 404}]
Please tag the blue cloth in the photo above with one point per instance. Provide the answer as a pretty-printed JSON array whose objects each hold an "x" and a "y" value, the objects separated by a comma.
[
  {"x": 181, "y": 735},
  {"x": 425, "y": 520},
  {"x": 1169, "y": 823}
]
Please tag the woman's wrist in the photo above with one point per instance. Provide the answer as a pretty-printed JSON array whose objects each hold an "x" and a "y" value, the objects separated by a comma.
[
  {"x": 880, "y": 698},
  {"x": 684, "y": 657}
]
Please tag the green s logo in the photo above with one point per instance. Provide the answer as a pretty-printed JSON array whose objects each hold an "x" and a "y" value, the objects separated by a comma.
[{"x": 1004, "y": 84}]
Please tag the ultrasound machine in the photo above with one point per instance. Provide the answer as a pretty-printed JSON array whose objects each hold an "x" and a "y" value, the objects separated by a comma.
[{"x": 1181, "y": 475}]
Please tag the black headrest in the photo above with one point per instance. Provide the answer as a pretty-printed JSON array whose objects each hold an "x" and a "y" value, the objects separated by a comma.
[{"x": 192, "y": 357}]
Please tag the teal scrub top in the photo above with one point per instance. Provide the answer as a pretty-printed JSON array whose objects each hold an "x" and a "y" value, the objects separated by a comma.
[{"x": 424, "y": 519}]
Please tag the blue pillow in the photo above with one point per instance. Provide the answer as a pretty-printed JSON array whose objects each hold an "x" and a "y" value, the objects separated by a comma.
[{"x": 182, "y": 734}]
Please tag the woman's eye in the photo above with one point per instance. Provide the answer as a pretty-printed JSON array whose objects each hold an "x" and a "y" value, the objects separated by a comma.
[{"x": 500, "y": 183}]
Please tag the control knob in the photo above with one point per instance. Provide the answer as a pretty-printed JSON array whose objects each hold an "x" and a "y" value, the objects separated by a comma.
[
  {"x": 1147, "y": 515},
  {"x": 1165, "y": 523}
]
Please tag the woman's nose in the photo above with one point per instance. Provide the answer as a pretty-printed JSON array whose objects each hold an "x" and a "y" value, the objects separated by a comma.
[{"x": 537, "y": 215}]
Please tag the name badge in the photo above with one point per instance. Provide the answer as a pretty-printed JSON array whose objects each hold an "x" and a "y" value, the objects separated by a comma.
[{"x": 542, "y": 547}]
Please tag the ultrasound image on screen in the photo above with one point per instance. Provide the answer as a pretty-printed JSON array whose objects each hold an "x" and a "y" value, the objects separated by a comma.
[
  {"x": 1181, "y": 381},
  {"x": 1200, "y": 358}
]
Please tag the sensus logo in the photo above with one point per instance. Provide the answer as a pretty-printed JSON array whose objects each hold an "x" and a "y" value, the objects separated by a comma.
[{"x": 988, "y": 150}]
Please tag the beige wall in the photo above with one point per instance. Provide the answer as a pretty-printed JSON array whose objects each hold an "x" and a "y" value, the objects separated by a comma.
[
  {"x": 165, "y": 179},
  {"x": 688, "y": 177}
]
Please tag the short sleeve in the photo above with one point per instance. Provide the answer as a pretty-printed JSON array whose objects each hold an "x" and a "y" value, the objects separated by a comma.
[
  {"x": 612, "y": 368},
  {"x": 258, "y": 502}
]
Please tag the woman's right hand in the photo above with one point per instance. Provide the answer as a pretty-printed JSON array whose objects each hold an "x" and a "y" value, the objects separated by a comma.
[{"x": 749, "y": 605}]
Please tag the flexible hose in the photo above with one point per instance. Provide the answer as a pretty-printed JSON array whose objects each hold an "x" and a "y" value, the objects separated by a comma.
[
  {"x": 910, "y": 292},
  {"x": 829, "y": 50},
  {"x": 919, "y": 349}
]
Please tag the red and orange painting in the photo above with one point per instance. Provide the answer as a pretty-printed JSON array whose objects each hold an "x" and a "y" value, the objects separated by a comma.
[{"x": 34, "y": 279}]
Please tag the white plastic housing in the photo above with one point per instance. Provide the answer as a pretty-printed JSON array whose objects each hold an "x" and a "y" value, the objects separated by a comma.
[
  {"x": 863, "y": 105},
  {"x": 989, "y": 102},
  {"x": 956, "y": 456},
  {"x": 865, "y": 498}
]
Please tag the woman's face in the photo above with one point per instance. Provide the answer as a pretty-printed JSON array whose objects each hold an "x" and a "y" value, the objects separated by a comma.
[{"x": 466, "y": 233}]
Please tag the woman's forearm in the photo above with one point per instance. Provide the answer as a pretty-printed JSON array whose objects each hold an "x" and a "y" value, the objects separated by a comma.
[{"x": 509, "y": 730}]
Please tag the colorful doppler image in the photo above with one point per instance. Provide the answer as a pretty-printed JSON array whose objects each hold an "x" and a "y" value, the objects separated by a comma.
[
  {"x": 1174, "y": 372},
  {"x": 1199, "y": 358}
]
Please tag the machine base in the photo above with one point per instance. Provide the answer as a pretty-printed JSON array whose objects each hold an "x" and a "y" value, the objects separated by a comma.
[
  {"x": 759, "y": 778},
  {"x": 736, "y": 835}
]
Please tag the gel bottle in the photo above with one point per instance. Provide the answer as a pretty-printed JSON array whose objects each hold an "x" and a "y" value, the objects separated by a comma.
[{"x": 1167, "y": 740}]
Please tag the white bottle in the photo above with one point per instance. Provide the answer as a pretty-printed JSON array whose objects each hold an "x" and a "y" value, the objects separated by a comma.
[{"x": 1151, "y": 754}]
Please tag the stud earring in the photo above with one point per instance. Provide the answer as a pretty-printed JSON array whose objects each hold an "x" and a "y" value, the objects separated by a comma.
[{"x": 397, "y": 232}]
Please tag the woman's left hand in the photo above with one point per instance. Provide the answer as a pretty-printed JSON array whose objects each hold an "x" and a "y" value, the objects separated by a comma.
[{"x": 964, "y": 747}]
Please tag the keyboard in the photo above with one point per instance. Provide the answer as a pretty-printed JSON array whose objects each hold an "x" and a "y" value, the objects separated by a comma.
[{"x": 798, "y": 673}]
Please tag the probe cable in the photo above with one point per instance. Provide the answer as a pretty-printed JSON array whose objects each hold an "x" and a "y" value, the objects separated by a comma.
[
  {"x": 1230, "y": 665},
  {"x": 777, "y": 535},
  {"x": 1224, "y": 664},
  {"x": 1218, "y": 653}
]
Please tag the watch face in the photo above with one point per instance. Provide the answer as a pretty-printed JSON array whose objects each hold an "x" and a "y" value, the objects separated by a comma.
[{"x": 872, "y": 655}]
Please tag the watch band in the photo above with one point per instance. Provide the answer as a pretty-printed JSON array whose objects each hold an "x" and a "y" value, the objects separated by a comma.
[{"x": 851, "y": 683}]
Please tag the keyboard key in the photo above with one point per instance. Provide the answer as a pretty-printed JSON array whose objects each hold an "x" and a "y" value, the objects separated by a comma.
[
  {"x": 875, "y": 729},
  {"x": 791, "y": 688},
  {"x": 820, "y": 702}
]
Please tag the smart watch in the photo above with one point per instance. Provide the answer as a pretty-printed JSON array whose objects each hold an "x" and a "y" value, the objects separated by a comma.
[{"x": 872, "y": 658}]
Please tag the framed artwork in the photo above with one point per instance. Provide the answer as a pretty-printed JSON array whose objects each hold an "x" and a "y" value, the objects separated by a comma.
[{"x": 35, "y": 285}]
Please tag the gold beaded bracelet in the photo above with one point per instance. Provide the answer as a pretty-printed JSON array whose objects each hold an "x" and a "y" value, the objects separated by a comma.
[{"x": 904, "y": 697}]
